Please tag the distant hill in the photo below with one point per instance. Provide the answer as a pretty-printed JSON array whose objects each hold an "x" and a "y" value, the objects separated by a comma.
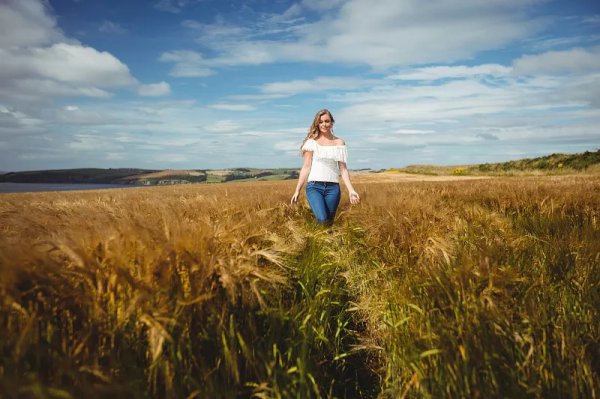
[
  {"x": 146, "y": 176},
  {"x": 550, "y": 162},
  {"x": 554, "y": 163},
  {"x": 164, "y": 177},
  {"x": 84, "y": 175}
]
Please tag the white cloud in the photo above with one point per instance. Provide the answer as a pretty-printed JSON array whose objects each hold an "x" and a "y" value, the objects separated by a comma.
[
  {"x": 35, "y": 89},
  {"x": 381, "y": 34},
  {"x": 74, "y": 115},
  {"x": 592, "y": 19},
  {"x": 13, "y": 118},
  {"x": 155, "y": 89},
  {"x": 223, "y": 126},
  {"x": 289, "y": 16},
  {"x": 414, "y": 131},
  {"x": 487, "y": 136},
  {"x": 471, "y": 103},
  {"x": 545, "y": 44},
  {"x": 116, "y": 156},
  {"x": 445, "y": 72},
  {"x": 321, "y": 5},
  {"x": 172, "y": 6},
  {"x": 216, "y": 31},
  {"x": 40, "y": 64},
  {"x": 289, "y": 147},
  {"x": 187, "y": 63},
  {"x": 233, "y": 107},
  {"x": 27, "y": 23},
  {"x": 322, "y": 83},
  {"x": 92, "y": 143},
  {"x": 111, "y": 28},
  {"x": 387, "y": 33},
  {"x": 172, "y": 158},
  {"x": 67, "y": 63},
  {"x": 575, "y": 60}
]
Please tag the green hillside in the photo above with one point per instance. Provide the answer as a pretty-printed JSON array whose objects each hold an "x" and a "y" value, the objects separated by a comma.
[
  {"x": 146, "y": 176},
  {"x": 549, "y": 164},
  {"x": 83, "y": 175}
]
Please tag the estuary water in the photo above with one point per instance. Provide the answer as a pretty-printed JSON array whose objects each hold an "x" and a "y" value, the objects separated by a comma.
[{"x": 38, "y": 187}]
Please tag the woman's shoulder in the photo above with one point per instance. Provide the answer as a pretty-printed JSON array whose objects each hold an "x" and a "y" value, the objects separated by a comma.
[
  {"x": 339, "y": 141},
  {"x": 336, "y": 142},
  {"x": 309, "y": 145}
]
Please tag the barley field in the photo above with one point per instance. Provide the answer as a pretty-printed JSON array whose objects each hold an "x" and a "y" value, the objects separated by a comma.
[{"x": 483, "y": 288}]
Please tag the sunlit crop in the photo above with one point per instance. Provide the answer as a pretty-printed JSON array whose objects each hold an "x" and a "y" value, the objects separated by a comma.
[{"x": 478, "y": 288}]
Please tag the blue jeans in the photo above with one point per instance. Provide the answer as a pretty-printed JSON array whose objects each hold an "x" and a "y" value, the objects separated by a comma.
[{"x": 323, "y": 198}]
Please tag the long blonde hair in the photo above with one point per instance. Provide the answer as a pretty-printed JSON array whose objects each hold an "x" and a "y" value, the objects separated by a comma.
[{"x": 313, "y": 131}]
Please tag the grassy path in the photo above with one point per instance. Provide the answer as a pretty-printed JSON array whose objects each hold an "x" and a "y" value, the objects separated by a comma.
[{"x": 315, "y": 338}]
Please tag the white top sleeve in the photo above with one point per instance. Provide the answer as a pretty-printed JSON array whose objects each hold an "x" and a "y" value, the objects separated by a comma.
[
  {"x": 309, "y": 145},
  {"x": 341, "y": 153}
]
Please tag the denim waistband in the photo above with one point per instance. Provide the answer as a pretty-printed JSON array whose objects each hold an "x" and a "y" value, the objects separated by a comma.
[{"x": 324, "y": 183}]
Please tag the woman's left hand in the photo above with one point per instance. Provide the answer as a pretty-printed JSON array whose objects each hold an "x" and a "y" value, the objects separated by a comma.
[{"x": 354, "y": 197}]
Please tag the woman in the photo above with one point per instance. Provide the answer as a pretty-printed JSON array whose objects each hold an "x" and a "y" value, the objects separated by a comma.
[{"x": 325, "y": 158}]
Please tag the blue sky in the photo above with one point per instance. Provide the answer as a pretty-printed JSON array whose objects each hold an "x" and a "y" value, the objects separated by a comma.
[{"x": 195, "y": 84}]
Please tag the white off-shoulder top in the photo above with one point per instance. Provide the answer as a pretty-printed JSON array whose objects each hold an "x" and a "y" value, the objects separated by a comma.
[{"x": 325, "y": 161}]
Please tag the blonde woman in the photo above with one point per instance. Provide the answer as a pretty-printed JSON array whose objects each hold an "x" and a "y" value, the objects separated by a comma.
[{"x": 325, "y": 157}]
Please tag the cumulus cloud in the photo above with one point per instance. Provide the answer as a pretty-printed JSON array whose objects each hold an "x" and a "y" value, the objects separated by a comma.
[
  {"x": 155, "y": 89},
  {"x": 592, "y": 19},
  {"x": 380, "y": 34},
  {"x": 450, "y": 72},
  {"x": 414, "y": 131},
  {"x": 173, "y": 6},
  {"x": 36, "y": 89},
  {"x": 67, "y": 63},
  {"x": 39, "y": 66},
  {"x": 233, "y": 107},
  {"x": 321, "y": 5},
  {"x": 224, "y": 126},
  {"x": 168, "y": 6},
  {"x": 470, "y": 109},
  {"x": 487, "y": 136},
  {"x": 322, "y": 83},
  {"x": 575, "y": 60},
  {"x": 39, "y": 63},
  {"x": 216, "y": 31},
  {"x": 92, "y": 143},
  {"x": 27, "y": 23},
  {"x": 13, "y": 118},
  {"x": 187, "y": 63},
  {"x": 111, "y": 28}
]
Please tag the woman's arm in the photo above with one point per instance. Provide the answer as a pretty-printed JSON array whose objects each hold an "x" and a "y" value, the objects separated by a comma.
[
  {"x": 354, "y": 197},
  {"x": 303, "y": 174}
]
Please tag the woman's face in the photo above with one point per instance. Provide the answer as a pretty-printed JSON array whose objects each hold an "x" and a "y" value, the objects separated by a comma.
[{"x": 325, "y": 123}]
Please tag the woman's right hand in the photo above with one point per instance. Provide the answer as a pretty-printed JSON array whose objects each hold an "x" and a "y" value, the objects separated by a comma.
[
  {"x": 354, "y": 197},
  {"x": 295, "y": 197}
]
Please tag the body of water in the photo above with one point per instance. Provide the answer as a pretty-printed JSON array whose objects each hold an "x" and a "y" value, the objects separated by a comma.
[{"x": 37, "y": 187}]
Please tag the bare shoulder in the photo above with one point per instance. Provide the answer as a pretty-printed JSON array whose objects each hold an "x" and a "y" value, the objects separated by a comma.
[{"x": 339, "y": 141}]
